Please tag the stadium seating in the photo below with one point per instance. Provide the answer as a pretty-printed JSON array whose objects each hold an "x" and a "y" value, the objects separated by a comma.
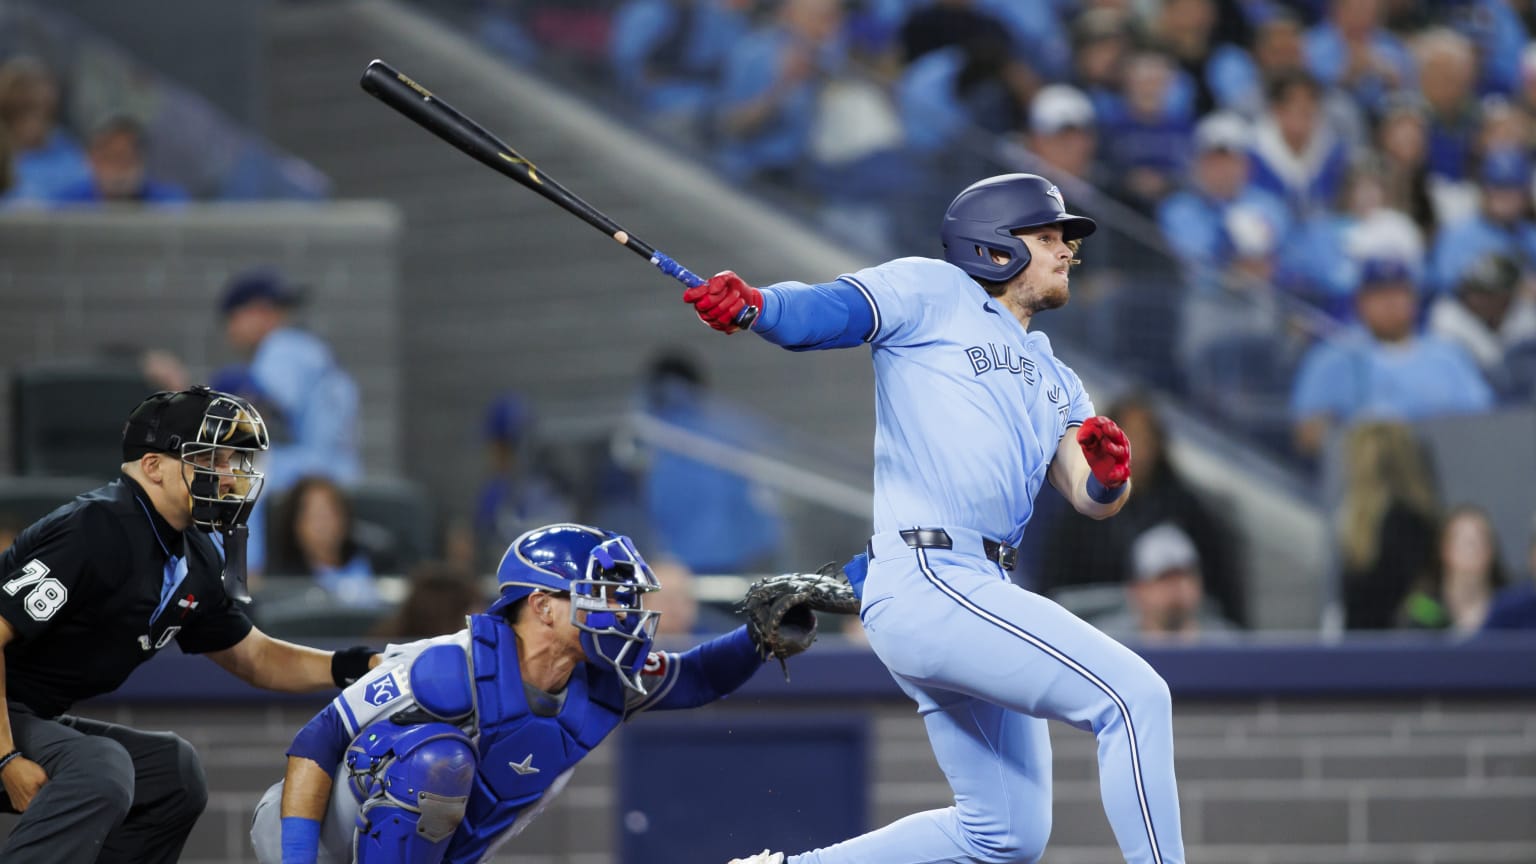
[
  {"x": 69, "y": 417},
  {"x": 394, "y": 520}
]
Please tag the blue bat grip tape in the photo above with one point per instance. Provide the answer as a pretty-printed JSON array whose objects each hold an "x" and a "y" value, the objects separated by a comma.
[{"x": 665, "y": 264}]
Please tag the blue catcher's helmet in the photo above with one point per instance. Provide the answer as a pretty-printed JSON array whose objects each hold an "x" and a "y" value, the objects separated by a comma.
[
  {"x": 606, "y": 579},
  {"x": 984, "y": 216}
]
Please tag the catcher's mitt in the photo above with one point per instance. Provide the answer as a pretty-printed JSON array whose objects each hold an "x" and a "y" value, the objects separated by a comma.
[{"x": 781, "y": 610}]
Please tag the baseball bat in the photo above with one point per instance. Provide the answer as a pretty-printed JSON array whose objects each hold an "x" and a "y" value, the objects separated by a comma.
[{"x": 401, "y": 93}]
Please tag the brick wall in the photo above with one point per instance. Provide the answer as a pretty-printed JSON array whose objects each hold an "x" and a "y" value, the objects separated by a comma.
[
  {"x": 1418, "y": 781},
  {"x": 72, "y": 283}
]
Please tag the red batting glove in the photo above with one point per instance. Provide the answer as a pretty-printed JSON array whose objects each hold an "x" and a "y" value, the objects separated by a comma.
[
  {"x": 720, "y": 301},
  {"x": 1108, "y": 452}
]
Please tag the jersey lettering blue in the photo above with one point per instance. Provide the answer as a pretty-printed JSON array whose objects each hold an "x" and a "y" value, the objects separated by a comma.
[{"x": 993, "y": 359}]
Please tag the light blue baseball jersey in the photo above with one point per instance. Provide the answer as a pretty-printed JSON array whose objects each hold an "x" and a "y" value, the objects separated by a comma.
[{"x": 969, "y": 406}]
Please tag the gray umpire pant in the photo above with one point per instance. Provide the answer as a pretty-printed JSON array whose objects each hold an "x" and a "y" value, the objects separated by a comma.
[{"x": 114, "y": 795}]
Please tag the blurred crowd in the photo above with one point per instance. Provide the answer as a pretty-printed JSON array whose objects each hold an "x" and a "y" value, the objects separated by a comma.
[
  {"x": 1318, "y": 227},
  {"x": 1316, "y": 210},
  {"x": 82, "y": 123},
  {"x": 1316, "y": 218}
]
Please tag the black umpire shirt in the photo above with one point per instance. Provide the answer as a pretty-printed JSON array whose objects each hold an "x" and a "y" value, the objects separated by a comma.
[{"x": 87, "y": 589}]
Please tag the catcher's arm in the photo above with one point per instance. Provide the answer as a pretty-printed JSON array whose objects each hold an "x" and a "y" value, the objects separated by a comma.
[
  {"x": 698, "y": 676},
  {"x": 781, "y": 610}
]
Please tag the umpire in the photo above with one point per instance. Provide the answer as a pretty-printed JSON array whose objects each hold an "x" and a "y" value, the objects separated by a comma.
[{"x": 100, "y": 585}]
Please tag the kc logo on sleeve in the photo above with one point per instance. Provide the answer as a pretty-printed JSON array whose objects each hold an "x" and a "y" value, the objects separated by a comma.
[{"x": 383, "y": 691}]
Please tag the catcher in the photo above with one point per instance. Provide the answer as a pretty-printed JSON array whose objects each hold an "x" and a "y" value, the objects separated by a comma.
[{"x": 452, "y": 745}]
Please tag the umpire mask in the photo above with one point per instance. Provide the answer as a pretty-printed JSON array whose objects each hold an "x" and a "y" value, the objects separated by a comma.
[{"x": 217, "y": 435}]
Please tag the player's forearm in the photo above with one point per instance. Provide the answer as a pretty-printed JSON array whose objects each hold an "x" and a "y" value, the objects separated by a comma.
[
  {"x": 708, "y": 672},
  {"x": 306, "y": 789},
  {"x": 289, "y": 668}
]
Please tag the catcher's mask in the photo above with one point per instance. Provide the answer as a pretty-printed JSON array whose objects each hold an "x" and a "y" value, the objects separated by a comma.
[
  {"x": 606, "y": 579},
  {"x": 217, "y": 435}
]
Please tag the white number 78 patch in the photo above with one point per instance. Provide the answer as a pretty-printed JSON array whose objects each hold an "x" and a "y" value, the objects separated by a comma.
[{"x": 47, "y": 594}]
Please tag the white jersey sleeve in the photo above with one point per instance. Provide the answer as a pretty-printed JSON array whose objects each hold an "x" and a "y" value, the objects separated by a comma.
[{"x": 386, "y": 689}]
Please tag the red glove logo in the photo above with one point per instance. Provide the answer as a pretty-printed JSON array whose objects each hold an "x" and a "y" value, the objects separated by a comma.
[
  {"x": 720, "y": 301},
  {"x": 1107, "y": 450}
]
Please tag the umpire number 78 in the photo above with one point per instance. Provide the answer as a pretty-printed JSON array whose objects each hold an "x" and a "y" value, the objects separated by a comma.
[{"x": 46, "y": 596}]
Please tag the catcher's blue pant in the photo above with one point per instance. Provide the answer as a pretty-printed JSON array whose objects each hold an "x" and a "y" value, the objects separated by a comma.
[{"x": 988, "y": 663}]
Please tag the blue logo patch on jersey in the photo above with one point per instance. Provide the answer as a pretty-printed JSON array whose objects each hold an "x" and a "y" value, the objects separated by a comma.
[{"x": 383, "y": 691}]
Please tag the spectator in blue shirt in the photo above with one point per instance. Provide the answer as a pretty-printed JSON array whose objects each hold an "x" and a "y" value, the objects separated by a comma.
[
  {"x": 1447, "y": 80},
  {"x": 1352, "y": 51},
  {"x": 46, "y": 157},
  {"x": 769, "y": 91},
  {"x": 1321, "y": 264},
  {"x": 1500, "y": 37},
  {"x": 1503, "y": 226},
  {"x": 518, "y": 494},
  {"x": 1237, "y": 76},
  {"x": 695, "y": 503},
  {"x": 309, "y": 402},
  {"x": 1382, "y": 369},
  {"x": 979, "y": 84},
  {"x": 667, "y": 54},
  {"x": 1147, "y": 130},
  {"x": 1037, "y": 34},
  {"x": 1297, "y": 155},
  {"x": 1194, "y": 219},
  {"x": 118, "y": 174}
]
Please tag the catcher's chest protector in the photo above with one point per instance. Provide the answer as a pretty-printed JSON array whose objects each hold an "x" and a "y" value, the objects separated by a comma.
[{"x": 521, "y": 753}]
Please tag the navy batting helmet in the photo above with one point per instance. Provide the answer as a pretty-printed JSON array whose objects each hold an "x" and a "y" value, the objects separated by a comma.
[
  {"x": 983, "y": 218},
  {"x": 606, "y": 579}
]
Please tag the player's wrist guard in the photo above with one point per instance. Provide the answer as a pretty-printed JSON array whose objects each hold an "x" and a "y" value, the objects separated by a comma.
[
  {"x": 350, "y": 664},
  {"x": 300, "y": 840},
  {"x": 1104, "y": 494}
]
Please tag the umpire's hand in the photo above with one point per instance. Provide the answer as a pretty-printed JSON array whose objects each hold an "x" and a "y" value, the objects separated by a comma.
[{"x": 22, "y": 778}]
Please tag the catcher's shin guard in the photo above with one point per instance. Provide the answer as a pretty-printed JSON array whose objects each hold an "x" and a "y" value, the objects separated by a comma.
[{"x": 412, "y": 784}]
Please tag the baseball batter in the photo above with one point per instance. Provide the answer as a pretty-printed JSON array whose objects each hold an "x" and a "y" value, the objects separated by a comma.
[{"x": 973, "y": 414}]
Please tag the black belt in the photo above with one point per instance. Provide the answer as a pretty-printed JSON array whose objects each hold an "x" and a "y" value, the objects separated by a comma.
[{"x": 999, "y": 553}]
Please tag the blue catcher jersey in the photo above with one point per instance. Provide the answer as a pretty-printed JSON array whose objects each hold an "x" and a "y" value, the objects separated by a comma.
[
  {"x": 525, "y": 759},
  {"x": 969, "y": 406}
]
